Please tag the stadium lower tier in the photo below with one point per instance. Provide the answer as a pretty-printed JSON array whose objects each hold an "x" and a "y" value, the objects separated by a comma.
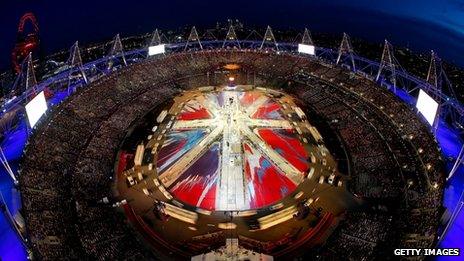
[{"x": 166, "y": 159}]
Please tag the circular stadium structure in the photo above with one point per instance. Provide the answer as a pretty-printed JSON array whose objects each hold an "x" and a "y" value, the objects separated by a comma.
[{"x": 230, "y": 150}]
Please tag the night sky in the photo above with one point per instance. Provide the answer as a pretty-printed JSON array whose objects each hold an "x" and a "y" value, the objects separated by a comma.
[{"x": 421, "y": 24}]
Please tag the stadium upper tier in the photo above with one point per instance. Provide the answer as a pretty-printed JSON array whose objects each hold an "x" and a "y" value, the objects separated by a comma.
[{"x": 393, "y": 168}]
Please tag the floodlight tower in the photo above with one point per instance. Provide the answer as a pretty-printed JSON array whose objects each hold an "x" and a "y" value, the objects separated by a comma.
[
  {"x": 231, "y": 38},
  {"x": 437, "y": 78},
  {"x": 116, "y": 52},
  {"x": 269, "y": 39},
  {"x": 307, "y": 39},
  {"x": 433, "y": 74},
  {"x": 439, "y": 83},
  {"x": 346, "y": 50},
  {"x": 193, "y": 38},
  {"x": 439, "y": 86},
  {"x": 26, "y": 78},
  {"x": 388, "y": 63},
  {"x": 75, "y": 65},
  {"x": 155, "y": 38}
]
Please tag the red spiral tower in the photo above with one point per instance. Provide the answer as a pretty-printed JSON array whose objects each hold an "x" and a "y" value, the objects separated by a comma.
[{"x": 26, "y": 41}]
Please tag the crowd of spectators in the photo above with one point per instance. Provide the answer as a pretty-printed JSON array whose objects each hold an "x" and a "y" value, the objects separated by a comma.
[
  {"x": 394, "y": 157},
  {"x": 69, "y": 162},
  {"x": 359, "y": 236},
  {"x": 67, "y": 170}
]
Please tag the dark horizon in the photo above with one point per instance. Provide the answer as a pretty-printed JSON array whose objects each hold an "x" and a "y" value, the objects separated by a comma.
[{"x": 61, "y": 24}]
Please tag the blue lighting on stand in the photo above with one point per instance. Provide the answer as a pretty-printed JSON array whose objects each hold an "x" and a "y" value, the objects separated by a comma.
[
  {"x": 450, "y": 144},
  {"x": 11, "y": 247}
]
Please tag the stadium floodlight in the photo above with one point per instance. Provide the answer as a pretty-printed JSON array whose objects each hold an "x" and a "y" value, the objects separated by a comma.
[
  {"x": 427, "y": 106},
  {"x": 157, "y": 49},
  {"x": 306, "y": 48},
  {"x": 36, "y": 108}
]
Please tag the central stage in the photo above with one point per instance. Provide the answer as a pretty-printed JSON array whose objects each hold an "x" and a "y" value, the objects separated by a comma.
[{"x": 219, "y": 158}]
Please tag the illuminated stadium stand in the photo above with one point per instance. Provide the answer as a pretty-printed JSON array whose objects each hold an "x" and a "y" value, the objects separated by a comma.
[{"x": 451, "y": 111}]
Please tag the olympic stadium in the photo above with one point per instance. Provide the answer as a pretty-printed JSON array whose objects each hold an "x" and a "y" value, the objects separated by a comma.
[{"x": 223, "y": 148}]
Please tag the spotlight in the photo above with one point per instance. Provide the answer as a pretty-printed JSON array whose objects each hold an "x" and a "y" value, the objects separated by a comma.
[{"x": 231, "y": 81}]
